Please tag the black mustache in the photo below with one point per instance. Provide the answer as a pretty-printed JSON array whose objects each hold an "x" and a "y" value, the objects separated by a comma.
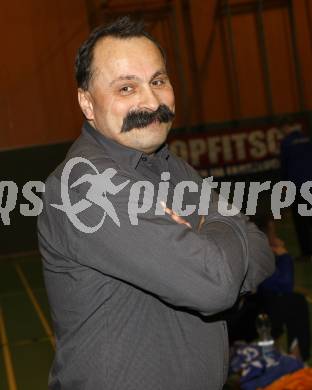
[{"x": 140, "y": 119}]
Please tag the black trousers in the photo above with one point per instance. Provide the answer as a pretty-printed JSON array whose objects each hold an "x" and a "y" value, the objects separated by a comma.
[{"x": 288, "y": 310}]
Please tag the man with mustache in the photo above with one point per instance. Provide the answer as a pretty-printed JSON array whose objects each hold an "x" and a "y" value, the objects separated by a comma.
[{"x": 139, "y": 307}]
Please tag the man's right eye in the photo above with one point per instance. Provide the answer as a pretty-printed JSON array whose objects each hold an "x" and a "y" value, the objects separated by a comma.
[{"x": 126, "y": 89}]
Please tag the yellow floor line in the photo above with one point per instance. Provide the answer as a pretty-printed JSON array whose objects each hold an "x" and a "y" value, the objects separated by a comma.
[
  {"x": 36, "y": 305},
  {"x": 7, "y": 354}
]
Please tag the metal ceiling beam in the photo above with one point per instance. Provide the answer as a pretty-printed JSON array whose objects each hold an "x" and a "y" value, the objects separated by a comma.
[{"x": 249, "y": 6}]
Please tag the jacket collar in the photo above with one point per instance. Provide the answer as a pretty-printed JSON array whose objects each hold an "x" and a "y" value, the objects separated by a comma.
[{"x": 120, "y": 153}]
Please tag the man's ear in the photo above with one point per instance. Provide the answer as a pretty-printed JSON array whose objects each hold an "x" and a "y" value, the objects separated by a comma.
[{"x": 86, "y": 105}]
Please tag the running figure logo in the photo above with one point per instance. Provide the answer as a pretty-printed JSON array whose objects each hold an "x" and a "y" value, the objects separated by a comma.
[{"x": 101, "y": 186}]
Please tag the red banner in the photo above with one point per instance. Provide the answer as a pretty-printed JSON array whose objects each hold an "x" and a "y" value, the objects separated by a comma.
[{"x": 230, "y": 152}]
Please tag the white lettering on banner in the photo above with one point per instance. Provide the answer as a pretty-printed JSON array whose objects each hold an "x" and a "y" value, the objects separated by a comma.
[
  {"x": 214, "y": 149},
  {"x": 252, "y": 167},
  {"x": 179, "y": 148},
  {"x": 240, "y": 149},
  {"x": 225, "y": 149},
  {"x": 197, "y": 149},
  {"x": 257, "y": 142},
  {"x": 219, "y": 172},
  {"x": 273, "y": 138}
]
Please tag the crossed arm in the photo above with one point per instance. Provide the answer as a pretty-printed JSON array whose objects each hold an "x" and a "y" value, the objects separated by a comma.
[{"x": 203, "y": 269}]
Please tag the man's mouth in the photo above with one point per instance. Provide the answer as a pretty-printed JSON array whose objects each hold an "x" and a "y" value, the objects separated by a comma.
[{"x": 141, "y": 119}]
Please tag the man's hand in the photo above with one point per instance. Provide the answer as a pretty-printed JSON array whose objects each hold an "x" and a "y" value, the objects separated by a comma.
[
  {"x": 201, "y": 222},
  {"x": 278, "y": 246},
  {"x": 279, "y": 250},
  {"x": 179, "y": 219},
  {"x": 175, "y": 216}
]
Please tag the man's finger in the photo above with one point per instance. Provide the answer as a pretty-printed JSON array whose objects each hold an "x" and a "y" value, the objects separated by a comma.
[
  {"x": 167, "y": 210},
  {"x": 175, "y": 216},
  {"x": 180, "y": 220},
  {"x": 201, "y": 222}
]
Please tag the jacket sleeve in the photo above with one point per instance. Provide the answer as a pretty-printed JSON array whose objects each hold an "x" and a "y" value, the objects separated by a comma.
[
  {"x": 201, "y": 271},
  {"x": 261, "y": 262},
  {"x": 260, "y": 258}
]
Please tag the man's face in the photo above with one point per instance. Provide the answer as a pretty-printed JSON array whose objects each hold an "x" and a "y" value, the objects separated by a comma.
[{"x": 129, "y": 76}]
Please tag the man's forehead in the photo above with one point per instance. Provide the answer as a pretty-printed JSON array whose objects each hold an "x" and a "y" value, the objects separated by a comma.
[
  {"x": 110, "y": 43},
  {"x": 131, "y": 56}
]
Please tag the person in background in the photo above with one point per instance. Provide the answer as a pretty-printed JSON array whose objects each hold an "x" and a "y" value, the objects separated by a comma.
[
  {"x": 284, "y": 306},
  {"x": 276, "y": 297},
  {"x": 296, "y": 166}
]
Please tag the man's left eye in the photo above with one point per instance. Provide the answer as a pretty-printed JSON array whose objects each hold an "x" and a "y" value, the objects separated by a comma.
[{"x": 158, "y": 82}]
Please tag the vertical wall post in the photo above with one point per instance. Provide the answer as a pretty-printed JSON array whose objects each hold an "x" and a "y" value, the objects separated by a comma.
[
  {"x": 298, "y": 72},
  {"x": 264, "y": 58},
  {"x": 91, "y": 13},
  {"x": 185, "y": 98},
  {"x": 190, "y": 44},
  {"x": 232, "y": 62}
]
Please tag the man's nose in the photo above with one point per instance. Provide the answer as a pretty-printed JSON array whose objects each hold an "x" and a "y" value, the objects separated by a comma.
[{"x": 149, "y": 99}]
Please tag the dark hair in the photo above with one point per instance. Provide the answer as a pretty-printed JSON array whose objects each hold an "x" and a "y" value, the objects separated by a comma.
[{"x": 122, "y": 28}]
